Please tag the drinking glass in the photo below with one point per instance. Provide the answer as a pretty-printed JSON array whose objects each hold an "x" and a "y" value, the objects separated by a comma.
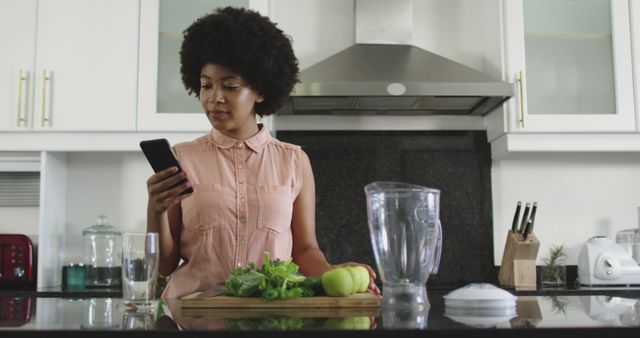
[
  {"x": 140, "y": 255},
  {"x": 138, "y": 320},
  {"x": 100, "y": 314}
]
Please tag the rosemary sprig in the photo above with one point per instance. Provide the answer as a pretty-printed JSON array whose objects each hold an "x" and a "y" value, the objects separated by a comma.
[{"x": 557, "y": 255}]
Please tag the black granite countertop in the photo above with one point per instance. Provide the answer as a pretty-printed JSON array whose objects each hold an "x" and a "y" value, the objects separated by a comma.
[{"x": 584, "y": 313}]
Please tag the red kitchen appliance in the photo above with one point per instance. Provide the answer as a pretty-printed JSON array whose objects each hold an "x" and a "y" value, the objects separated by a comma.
[
  {"x": 17, "y": 262},
  {"x": 15, "y": 311}
]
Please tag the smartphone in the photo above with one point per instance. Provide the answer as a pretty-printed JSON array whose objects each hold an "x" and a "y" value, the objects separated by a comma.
[{"x": 158, "y": 153}]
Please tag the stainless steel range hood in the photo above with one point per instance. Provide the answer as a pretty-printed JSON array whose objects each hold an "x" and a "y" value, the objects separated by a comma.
[{"x": 384, "y": 74}]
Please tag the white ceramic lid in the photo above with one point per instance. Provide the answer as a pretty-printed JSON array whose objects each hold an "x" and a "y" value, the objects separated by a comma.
[
  {"x": 482, "y": 322},
  {"x": 478, "y": 317},
  {"x": 480, "y": 295}
]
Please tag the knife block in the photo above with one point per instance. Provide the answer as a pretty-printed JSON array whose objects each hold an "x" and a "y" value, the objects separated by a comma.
[
  {"x": 528, "y": 310},
  {"x": 518, "y": 268}
]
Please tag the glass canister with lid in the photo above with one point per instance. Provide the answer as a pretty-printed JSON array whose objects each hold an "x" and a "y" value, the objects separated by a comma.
[
  {"x": 102, "y": 250},
  {"x": 630, "y": 240}
]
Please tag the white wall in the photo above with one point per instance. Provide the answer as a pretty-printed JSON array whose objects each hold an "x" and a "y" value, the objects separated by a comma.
[
  {"x": 578, "y": 195},
  {"x": 109, "y": 183},
  {"x": 319, "y": 28},
  {"x": 464, "y": 31},
  {"x": 19, "y": 220}
]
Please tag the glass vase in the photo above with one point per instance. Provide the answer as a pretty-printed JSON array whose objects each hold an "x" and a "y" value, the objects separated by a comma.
[{"x": 554, "y": 276}]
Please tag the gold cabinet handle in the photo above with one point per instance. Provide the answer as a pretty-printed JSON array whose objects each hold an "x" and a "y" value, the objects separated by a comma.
[
  {"x": 521, "y": 83},
  {"x": 43, "y": 117},
  {"x": 20, "y": 116}
]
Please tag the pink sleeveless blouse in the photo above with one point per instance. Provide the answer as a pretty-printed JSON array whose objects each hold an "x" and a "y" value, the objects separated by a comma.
[{"x": 241, "y": 207}]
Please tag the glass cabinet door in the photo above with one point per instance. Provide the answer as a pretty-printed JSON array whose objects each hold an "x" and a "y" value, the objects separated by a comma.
[
  {"x": 569, "y": 57},
  {"x": 572, "y": 59},
  {"x": 164, "y": 103},
  {"x": 175, "y": 17}
]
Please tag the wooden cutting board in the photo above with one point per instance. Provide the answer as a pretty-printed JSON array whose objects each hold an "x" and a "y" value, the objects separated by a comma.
[
  {"x": 359, "y": 300},
  {"x": 317, "y": 312}
]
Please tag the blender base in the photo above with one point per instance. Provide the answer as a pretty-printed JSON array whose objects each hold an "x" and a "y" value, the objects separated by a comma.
[{"x": 405, "y": 296}]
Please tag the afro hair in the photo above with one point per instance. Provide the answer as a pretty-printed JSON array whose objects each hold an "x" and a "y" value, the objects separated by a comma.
[{"x": 247, "y": 43}]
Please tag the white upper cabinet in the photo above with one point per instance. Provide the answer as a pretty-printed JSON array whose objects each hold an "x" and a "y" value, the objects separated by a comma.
[
  {"x": 635, "y": 47},
  {"x": 79, "y": 64},
  {"x": 164, "y": 104},
  {"x": 572, "y": 63},
  {"x": 17, "y": 60}
]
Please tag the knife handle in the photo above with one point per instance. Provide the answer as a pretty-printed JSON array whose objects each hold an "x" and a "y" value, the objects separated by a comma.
[
  {"x": 514, "y": 224},
  {"x": 527, "y": 229},
  {"x": 532, "y": 218},
  {"x": 525, "y": 217}
]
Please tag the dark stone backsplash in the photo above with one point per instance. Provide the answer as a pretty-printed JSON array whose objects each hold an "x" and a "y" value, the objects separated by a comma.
[{"x": 456, "y": 162}]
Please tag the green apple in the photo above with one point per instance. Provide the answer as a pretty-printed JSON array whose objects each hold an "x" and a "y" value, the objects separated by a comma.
[
  {"x": 337, "y": 282},
  {"x": 356, "y": 277},
  {"x": 337, "y": 324},
  {"x": 361, "y": 322},
  {"x": 348, "y": 323},
  {"x": 364, "y": 278}
]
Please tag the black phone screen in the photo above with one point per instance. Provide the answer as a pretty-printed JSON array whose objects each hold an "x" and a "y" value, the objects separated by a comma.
[{"x": 158, "y": 153}]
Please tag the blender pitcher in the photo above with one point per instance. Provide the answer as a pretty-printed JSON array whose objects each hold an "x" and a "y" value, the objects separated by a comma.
[{"x": 406, "y": 236}]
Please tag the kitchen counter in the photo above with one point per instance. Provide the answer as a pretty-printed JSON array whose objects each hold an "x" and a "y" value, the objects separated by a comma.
[{"x": 570, "y": 314}]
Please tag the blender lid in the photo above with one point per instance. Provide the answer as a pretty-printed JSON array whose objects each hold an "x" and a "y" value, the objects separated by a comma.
[
  {"x": 101, "y": 227},
  {"x": 479, "y": 295}
]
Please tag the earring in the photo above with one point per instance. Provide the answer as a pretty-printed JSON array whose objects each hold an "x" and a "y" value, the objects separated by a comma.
[{"x": 260, "y": 100}]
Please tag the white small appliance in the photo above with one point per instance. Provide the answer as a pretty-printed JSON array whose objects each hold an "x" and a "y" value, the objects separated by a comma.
[
  {"x": 606, "y": 308},
  {"x": 603, "y": 262}
]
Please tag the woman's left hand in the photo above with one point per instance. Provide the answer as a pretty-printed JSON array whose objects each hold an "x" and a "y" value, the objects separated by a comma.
[{"x": 373, "y": 288}]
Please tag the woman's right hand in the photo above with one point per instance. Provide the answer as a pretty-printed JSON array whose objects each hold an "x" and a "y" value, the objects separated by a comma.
[{"x": 163, "y": 191}]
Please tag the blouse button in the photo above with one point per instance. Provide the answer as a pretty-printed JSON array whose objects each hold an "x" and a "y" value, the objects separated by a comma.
[
  {"x": 242, "y": 220},
  {"x": 242, "y": 200},
  {"x": 242, "y": 242}
]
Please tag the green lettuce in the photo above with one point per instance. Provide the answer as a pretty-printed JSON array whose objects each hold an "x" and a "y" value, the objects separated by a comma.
[{"x": 273, "y": 280}]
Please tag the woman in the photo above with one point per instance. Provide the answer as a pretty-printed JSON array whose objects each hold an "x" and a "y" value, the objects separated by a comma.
[{"x": 252, "y": 193}]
